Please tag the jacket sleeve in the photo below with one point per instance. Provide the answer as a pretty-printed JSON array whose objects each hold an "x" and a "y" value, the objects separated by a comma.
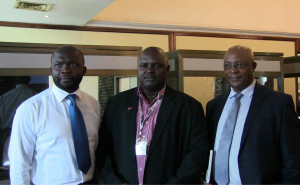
[
  {"x": 104, "y": 153},
  {"x": 290, "y": 145},
  {"x": 195, "y": 160}
]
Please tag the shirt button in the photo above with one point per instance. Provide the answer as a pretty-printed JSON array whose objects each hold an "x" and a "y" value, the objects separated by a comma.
[{"x": 141, "y": 169}]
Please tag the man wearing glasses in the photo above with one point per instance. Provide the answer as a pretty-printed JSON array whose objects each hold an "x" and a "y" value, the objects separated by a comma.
[{"x": 253, "y": 130}]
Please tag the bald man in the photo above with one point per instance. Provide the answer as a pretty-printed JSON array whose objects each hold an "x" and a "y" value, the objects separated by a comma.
[
  {"x": 153, "y": 134},
  {"x": 265, "y": 141}
]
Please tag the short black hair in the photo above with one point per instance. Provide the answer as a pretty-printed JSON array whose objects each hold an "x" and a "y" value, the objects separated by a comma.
[{"x": 68, "y": 49}]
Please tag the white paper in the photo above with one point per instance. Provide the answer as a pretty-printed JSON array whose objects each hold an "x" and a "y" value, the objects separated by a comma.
[
  {"x": 208, "y": 172},
  {"x": 141, "y": 147}
]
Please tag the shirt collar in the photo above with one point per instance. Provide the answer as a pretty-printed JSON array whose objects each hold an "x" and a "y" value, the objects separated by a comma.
[
  {"x": 61, "y": 94},
  {"x": 246, "y": 92},
  {"x": 160, "y": 93}
]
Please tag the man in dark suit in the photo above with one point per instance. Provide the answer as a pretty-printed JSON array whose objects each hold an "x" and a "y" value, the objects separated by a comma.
[
  {"x": 153, "y": 134},
  {"x": 265, "y": 145}
]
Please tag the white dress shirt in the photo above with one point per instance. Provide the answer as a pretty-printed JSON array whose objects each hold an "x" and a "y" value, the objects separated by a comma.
[
  {"x": 234, "y": 174},
  {"x": 41, "y": 147}
]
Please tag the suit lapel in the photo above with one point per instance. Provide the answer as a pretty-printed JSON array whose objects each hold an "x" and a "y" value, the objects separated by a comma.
[
  {"x": 162, "y": 117},
  {"x": 132, "y": 112},
  {"x": 219, "y": 110},
  {"x": 257, "y": 100}
]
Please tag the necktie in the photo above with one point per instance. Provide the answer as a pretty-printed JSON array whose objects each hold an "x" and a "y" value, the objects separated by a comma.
[
  {"x": 81, "y": 143},
  {"x": 222, "y": 154}
]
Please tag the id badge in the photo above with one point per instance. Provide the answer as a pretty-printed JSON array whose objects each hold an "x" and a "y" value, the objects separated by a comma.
[{"x": 141, "y": 147}]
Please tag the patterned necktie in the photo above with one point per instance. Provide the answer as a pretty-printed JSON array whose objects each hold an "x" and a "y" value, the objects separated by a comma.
[
  {"x": 222, "y": 154},
  {"x": 81, "y": 143}
]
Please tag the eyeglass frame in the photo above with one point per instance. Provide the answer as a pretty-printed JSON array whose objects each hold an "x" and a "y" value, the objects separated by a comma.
[{"x": 238, "y": 65}]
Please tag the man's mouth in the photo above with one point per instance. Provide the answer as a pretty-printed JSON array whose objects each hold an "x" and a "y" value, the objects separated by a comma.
[
  {"x": 149, "y": 78},
  {"x": 234, "y": 78},
  {"x": 66, "y": 78}
]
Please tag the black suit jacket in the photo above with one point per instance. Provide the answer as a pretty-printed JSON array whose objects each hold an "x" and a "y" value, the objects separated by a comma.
[
  {"x": 270, "y": 146},
  {"x": 178, "y": 151}
]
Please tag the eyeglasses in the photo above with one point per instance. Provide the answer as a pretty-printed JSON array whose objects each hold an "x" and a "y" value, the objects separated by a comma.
[{"x": 239, "y": 65}]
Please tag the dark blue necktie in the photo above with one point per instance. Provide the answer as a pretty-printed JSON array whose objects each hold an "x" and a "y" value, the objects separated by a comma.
[{"x": 81, "y": 142}]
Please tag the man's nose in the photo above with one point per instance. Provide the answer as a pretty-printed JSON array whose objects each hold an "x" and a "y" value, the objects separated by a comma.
[
  {"x": 234, "y": 68},
  {"x": 66, "y": 68},
  {"x": 150, "y": 68}
]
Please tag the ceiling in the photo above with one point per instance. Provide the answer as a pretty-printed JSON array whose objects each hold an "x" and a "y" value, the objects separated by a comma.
[
  {"x": 268, "y": 17},
  {"x": 63, "y": 12}
]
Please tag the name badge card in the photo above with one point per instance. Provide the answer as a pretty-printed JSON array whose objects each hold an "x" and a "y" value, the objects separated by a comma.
[{"x": 141, "y": 147}]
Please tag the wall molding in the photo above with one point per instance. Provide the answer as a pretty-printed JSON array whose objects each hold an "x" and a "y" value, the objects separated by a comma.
[
  {"x": 180, "y": 28},
  {"x": 118, "y": 27}
]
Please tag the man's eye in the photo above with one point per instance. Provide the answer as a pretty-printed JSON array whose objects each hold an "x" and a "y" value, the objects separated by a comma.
[
  {"x": 143, "y": 65},
  {"x": 240, "y": 65},
  {"x": 74, "y": 65},
  {"x": 157, "y": 66},
  {"x": 227, "y": 66},
  {"x": 58, "y": 65}
]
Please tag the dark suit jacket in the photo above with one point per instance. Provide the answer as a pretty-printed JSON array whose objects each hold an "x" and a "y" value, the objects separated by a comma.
[
  {"x": 270, "y": 145},
  {"x": 178, "y": 151}
]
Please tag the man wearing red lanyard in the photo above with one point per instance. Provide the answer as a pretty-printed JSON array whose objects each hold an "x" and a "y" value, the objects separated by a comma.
[{"x": 152, "y": 134}]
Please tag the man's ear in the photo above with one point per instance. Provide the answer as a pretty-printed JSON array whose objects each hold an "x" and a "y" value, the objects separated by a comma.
[
  {"x": 254, "y": 66},
  {"x": 84, "y": 70},
  {"x": 168, "y": 68}
]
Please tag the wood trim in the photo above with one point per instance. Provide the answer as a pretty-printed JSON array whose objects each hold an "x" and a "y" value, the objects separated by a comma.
[
  {"x": 12, "y": 47},
  {"x": 172, "y": 41},
  {"x": 25, "y": 72},
  {"x": 46, "y": 72},
  {"x": 82, "y": 28},
  {"x": 221, "y": 74},
  {"x": 297, "y": 95},
  {"x": 111, "y": 72},
  {"x": 297, "y": 49},
  {"x": 235, "y": 36},
  {"x": 55, "y": 46},
  {"x": 297, "y": 46},
  {"x": 140, "y": 31},
  {"x": 203, "y": 73}
]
